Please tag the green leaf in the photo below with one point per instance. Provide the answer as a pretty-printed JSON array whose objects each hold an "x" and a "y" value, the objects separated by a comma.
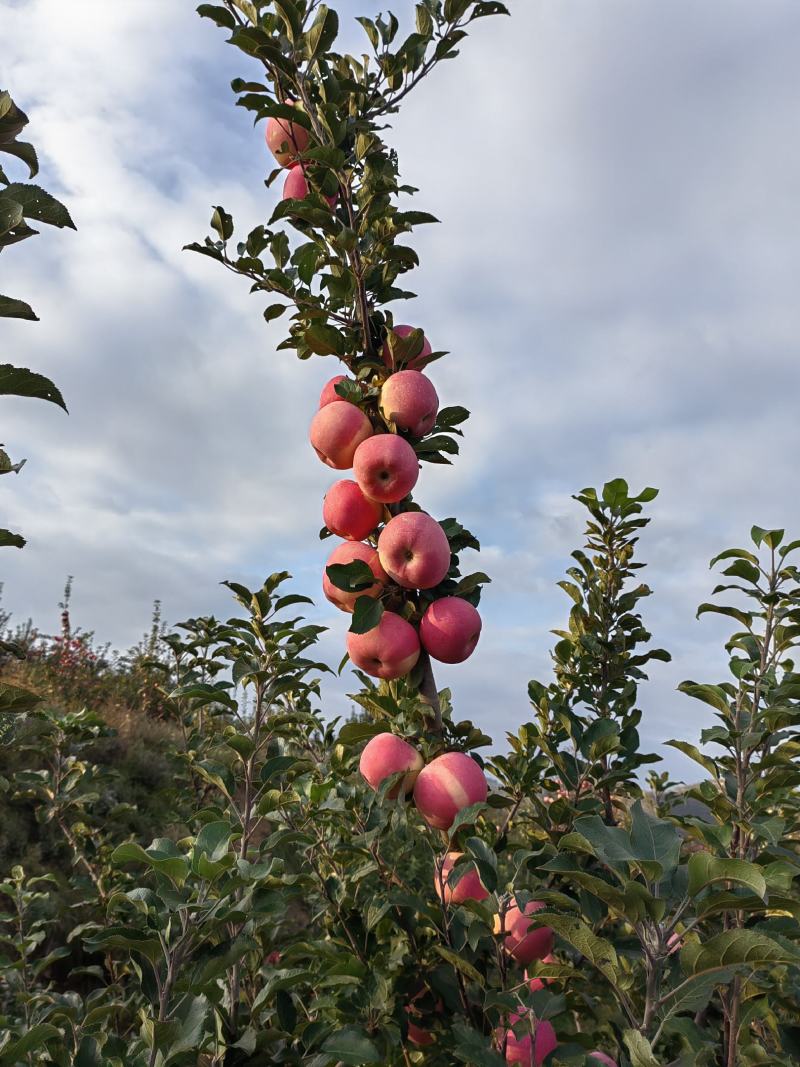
[
  {"x": 322, "y": 33},
  {"x": 162, "y": 856},
  {"x": 11, "y": 540},
  {"x": 18, "y": 381},
  {"x": 367, "y": 613},
  {"x": 15, "y": 700},
  {"x": 220, "y": 15},
  {"x": 16, "y": 309},
  {"x": 576, "y": 932},
  {"x": 39, "y": 205},
  {"x": 352, "y": 733},
  {"x": 25, "y": 152},
  {"x": 325, "y": 340},
  {"x": 36, "y": 1037},
  {"x": 640, "y": 1050},
  {"x": 460, "y": 964},
  {"x": 709, "y": 694},
  {"x": 654, "y": 840},
  {"x": 615, "y": 492},
  {"x": 734, "y": 947},
  {"x": 352, "y": 1046},
  {"x": 695, "y": 754},
  {"x": 351, "y": 577},
  {"x": 705, "y": 869},
  {"x": 213, "y": 840}
]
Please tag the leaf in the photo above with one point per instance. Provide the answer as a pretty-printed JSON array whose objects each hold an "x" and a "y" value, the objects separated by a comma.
[
  {"x": 11, "y": 540},
  {"x": 18, "y": 381},
  {"x": 709, "y": 694},
  {"x": 322, "y": 33},
  {"x": 353, "y": 577},
  {"x": 695, "y": 754},
  {"x": 705, "y": 869},
  {"x": 34, "y": 1038},
  {"x": 16, "y": 309},
  {"x": 640, "y": 1050},
  {"x": 162, "y": 856},
  {"x": 24, "y": 151},
  {"x": 577, "y": 933},
  {"x": 14, "y": 700},
  {"x": 352, "y": 1046},
  {"x": 325, "y": 340},
  {"x": 39, "y": 205},
  {"x": 367, "y": 613},
  {"x": 734, "y": 947},
  {"x": 220, "y": 15},
  {"x": 213, "y": 840},
  {"x": 460, "y": 964},
  {"x": 352, "y": 733}
]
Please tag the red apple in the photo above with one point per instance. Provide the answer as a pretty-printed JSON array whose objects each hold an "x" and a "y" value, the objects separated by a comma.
[
  {"x": 389, "y": 650},
  {"x": 522, "y": 940},
  {"x": 535, "y": 984},
  {"x": 329, "y": 394},
  {"x": 416, "y": 1034},
  {"x": 386, "y": 467},
  {"x": 468, "y": 886},
  {"x": 450, "y": 629},
  {"x": 414, "y": 550},
  {"x": 346, "y": 553},
  {"x": 296, "y": 187},
  {"x": 336, "y": 432},
  {"x": 447, "y": 785},
  {"x": 285, "y": 139},
  {"x": 409, "y": 400},
  {"x": 348, "y": 513},
  {"x": 528, "y": 1050},
  {"x": 402, "y": 332},
  {"x": 387, "y": 754}
]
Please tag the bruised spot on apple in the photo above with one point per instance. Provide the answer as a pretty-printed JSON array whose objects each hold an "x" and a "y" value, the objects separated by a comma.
[
  {"x": 347, "y": 553},
  {"x": 286, "y": 140},
  {"x": 450, "y": 629},
  {"x": 524, "y": 941},
  {"x": 414, "y": 550},
  {"x": 402, "y": 332},
  {"x": 447, "y": 785},
  {"x": 468, "y": 886},
  {"x": 296, "y": 187},
  {"x": 409, "y": 400},
  {"x": 388, "y": 754},
  {"x": 329, "y": 394},
  {"x": 347, "y": 512},
  {"x": 389, "y": 650},
  {"x": 530, "y": 1050},
  {"x": 336, "y": 432},
  {"x": 386, "y": 467}
]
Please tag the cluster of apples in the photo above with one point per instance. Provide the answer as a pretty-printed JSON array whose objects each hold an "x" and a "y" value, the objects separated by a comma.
[
  {"x": 408, "y": 549},
  {"x": 288, "y": 141}
]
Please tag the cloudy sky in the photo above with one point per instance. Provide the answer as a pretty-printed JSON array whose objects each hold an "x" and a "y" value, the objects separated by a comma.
[{"x": 615, "y": 277}]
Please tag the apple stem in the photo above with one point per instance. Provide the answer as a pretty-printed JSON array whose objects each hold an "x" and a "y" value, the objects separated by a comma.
[{"x": 429, "y": 693}]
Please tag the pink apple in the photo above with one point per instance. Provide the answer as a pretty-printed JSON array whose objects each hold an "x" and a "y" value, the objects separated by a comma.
[
  {"x": 600, "y": 1059},
  {"x": 336, "y": 432},
  {"x": 285, "y": 139},
  {"x": 535, "y": 984},
  {"x": 447, "y": 785},
  {"x": 413, "y": 364},
  {"x": 329, "y": 394},
  {"x": 346, "y": 553},
  {"x": 450, "y": 629},
  {"x": 389, "y": 650},
  {"x": 416, "y": 1034},
  {"x": 409, "y": 400},
  {"x": 296, "y": 187},
  {"x": 522, "y": 940},
  {"x": 348, "y": 513},
  {"x": 468, "y": 886},
  {"x": 386, "y": 467},
  {"x": 414, "y": 550},
  {"x": 528, "y": 1050},
  {"x": 387, "y": 754}
]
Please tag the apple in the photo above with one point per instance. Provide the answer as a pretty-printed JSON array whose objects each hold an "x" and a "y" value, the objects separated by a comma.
[
  {"x": 416, "y": 1034},
  {"x": 389, "y": 650},
  {"x": 386, "y": 467},
  {"x": 336, "y": 432},
  {"x": 450, "y": 629},
  {"x": 522, "y": 940},
  {"x": 388, "y": 754},
  {"x": 535, "y": 984},
  {"x": 529, "y": 1050},
  {"x": 468, "y": 886},
  {"x": 296, "y": 187},
  {"x": 329, "y": 394},
  {"x": 285, "y": 139},
  {"x": 599, "y": 1059},
  {"x": 414, "y": 550},
  {"x": 409, "y": 400},
  {"x": 448, "y": 784},
  {"x": 402, "y": 332},
  {"x": 346, "y": 553},
  {"x": 348, "y": 513}
]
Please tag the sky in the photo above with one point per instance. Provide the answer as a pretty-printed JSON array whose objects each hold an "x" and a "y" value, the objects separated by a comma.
[{"x": 615, "y": 278}]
